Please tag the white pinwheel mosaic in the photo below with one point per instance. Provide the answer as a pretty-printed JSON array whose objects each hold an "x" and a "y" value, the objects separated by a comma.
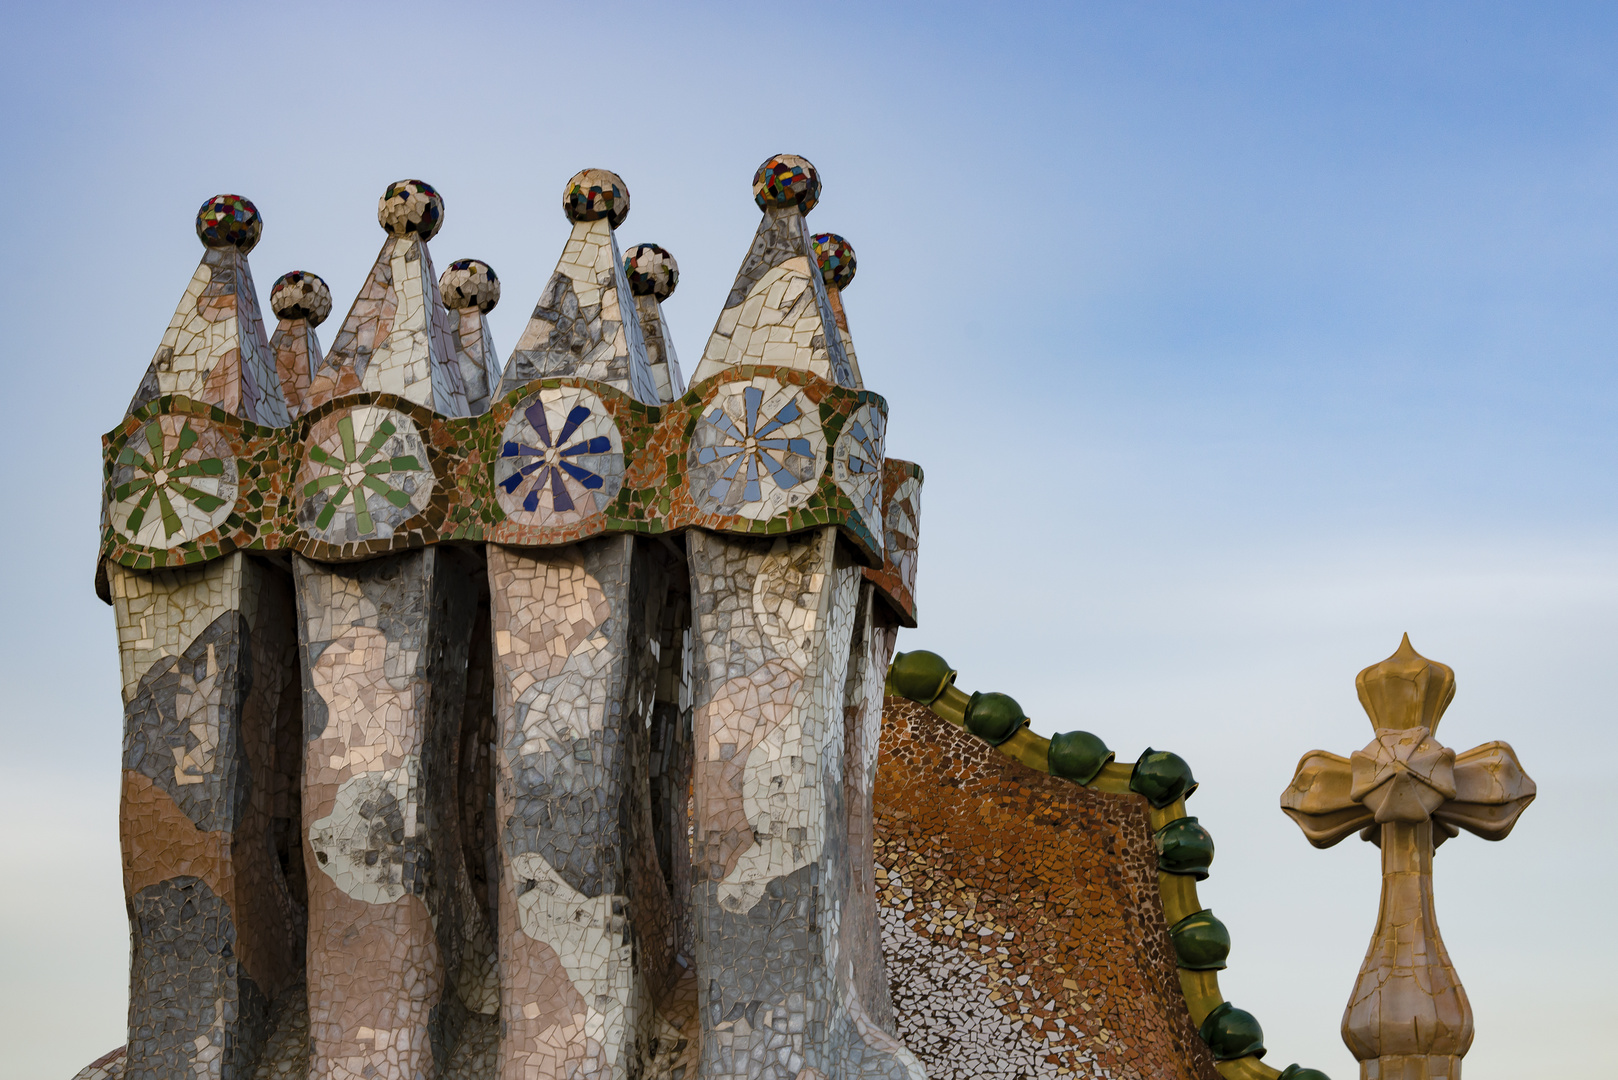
[
  {"x": 903, "y": 529},
  {"x": 756, "y": 451},
  {"x": 365, "y": 473},
  {"x": 173, "y": 480},
  {"x": 857, "y": 464},
  {"x": 561, "y": 458}
]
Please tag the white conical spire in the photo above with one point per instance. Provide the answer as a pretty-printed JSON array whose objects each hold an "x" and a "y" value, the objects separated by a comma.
[
  {"x": 396, "y": 338},
  {"x": 215, "y": 349},
  {"x": 653, "y": 274},
  {"x": 585, "y": 323},
  {"x": 470, "y": 290},
  {"x": 301, "y": 301},
  {"x": 835, "y": 257},
  {"x": 778, "y": 311}
]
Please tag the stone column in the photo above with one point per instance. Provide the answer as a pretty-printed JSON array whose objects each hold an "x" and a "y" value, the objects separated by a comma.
[
  {"x": 872, "y": 651},
  {"x": 775, "y": 633},
  {"x": 589, "y": 930},
  {"x": 1408, "y": 1018},
  {"x": 211, "y": 874},
  {"x": 384, "y": 646}
]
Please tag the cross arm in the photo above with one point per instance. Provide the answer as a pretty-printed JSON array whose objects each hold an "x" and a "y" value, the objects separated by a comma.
[
  {"x": 1320, "y": 799},
  {"x": 1491, "y": 792}
]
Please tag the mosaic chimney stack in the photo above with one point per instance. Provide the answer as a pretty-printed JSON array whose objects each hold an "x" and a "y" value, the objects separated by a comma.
[
  {"x": 428, "y": 660},
  {"x": 785, "y": 654},
  {"x": 386, "y": 639},
  {"x": 212, "y": 866},
  {"x": 898, "y": 485},
  {"x": 653, "y": 275},
  {"x": 589, "y": 646}
]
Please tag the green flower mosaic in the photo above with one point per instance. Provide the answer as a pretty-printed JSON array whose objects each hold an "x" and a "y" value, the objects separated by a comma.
[
  {"x": 184, "y": 487},
  {"x": 356, "y": 467}
]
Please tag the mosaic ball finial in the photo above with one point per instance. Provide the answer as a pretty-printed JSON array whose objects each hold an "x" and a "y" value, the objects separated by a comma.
[
  {"x": 300, "y": 295},
  {"x": 229, "y": 221},
  {"x": 594, "y": 194},
  {"x": 411, "y": 207},
  {"x": 836, "y": 258},
  {"x": 786, "y": 180},
  {"x": 469, "y": 283},
  {"x": 652, "y": 271}
]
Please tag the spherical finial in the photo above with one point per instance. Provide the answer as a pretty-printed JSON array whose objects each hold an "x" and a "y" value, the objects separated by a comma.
[
  {"x": 652, "y": 271},
  {"x": 594, "y": 194},
  {"x": 229, "y": 221},
  {"x": 411, "y": 206},
  {"x": 300, "y": 295},
  {"x": 786, "y": 180},
  {"x": 836, "y": 258},
  {"x": 469, "y": 283}
]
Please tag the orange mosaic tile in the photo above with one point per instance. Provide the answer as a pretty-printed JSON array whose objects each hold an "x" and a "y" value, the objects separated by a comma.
[{"x": 1021, "y": 922}]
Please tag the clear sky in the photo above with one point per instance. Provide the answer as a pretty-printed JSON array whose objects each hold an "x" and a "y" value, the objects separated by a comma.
[{"x": 1235, "y": 339}]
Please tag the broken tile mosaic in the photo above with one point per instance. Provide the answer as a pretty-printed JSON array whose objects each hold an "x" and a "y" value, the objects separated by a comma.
[{"x": 526, "y": 718}]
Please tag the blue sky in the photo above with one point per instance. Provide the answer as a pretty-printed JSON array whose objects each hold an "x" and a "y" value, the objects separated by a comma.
[{"x": 1235, "y": 340}]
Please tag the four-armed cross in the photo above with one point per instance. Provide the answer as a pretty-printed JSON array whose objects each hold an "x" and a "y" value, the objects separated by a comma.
[{"x": 1409, "y": 1018}]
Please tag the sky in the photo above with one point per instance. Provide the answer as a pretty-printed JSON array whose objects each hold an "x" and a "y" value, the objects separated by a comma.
[{"x": 1235, "y": 341}]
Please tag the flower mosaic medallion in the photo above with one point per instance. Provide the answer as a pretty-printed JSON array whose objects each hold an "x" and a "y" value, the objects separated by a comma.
[
  {"x": 561, "y": 458},
  {"x": 365, "y": 473},
  {"x": 756, "y": 451},
  {"x": 857, "y": 464},
  {"x": 173, "y": 480}
]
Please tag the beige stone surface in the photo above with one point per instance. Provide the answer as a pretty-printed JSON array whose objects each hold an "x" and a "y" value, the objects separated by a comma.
[{"x": 1408, "y": 1018}]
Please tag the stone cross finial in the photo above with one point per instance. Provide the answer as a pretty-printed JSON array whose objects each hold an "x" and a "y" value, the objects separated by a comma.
[{"x": 1408, "y": 1018}]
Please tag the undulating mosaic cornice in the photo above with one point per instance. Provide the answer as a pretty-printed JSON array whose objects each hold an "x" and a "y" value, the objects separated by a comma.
[{"x": 187, "y": 482}]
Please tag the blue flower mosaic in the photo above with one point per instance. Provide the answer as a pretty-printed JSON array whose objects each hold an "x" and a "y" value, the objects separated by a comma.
[
  {"x": 560, "y": 459},
  {"x": 756, "y": 450},
  {"x": 857, "y": 464}
]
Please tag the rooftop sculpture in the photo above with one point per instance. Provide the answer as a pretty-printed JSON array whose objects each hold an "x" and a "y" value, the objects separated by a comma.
[
  {"x": 535, "y": 718},
  {"x": 1407, "y": 793}
]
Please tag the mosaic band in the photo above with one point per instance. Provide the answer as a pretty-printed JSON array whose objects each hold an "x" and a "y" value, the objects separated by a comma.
[{"x": 756, "y": 450}]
